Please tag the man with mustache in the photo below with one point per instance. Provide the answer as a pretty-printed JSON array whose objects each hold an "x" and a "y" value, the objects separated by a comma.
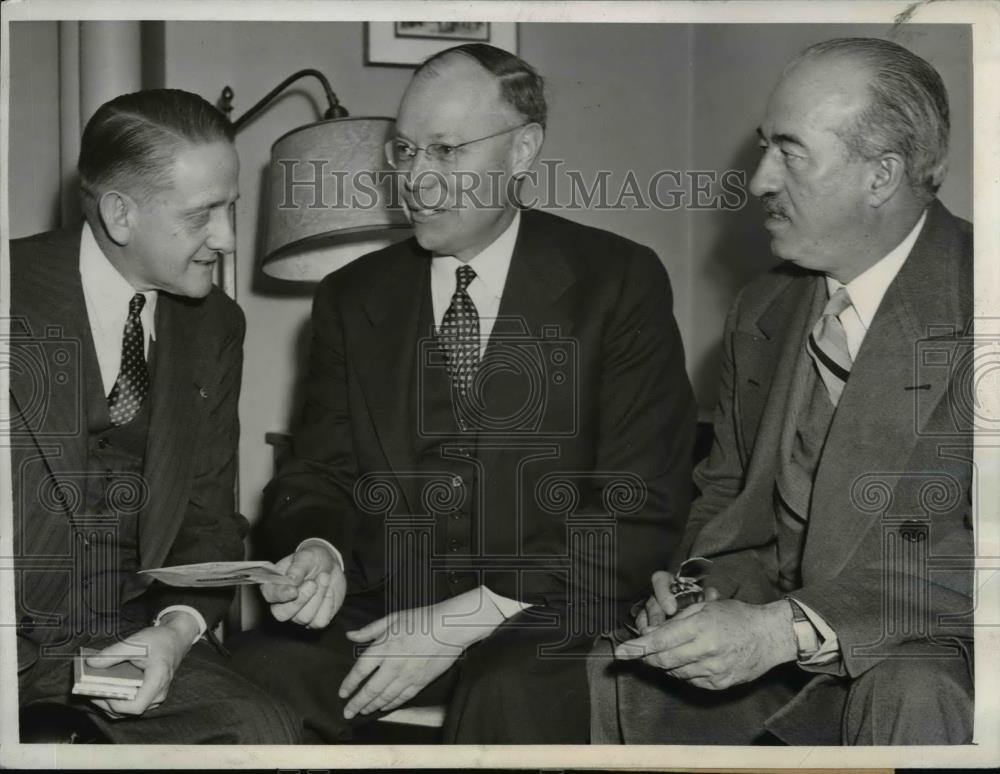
[
  {"x": 125, "y": 380},
  {"x": 494, "y": 449},
  {"x": 824, "y": 619}
]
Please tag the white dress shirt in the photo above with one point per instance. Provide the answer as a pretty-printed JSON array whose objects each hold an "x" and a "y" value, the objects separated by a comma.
[
  {"x": 867, "y": 289},
  {"x": 486, "y": 289},
  {"x": 866, "y": 292},
  {"x": 107, "y": 294}
]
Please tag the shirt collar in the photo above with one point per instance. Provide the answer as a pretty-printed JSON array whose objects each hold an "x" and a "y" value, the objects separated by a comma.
[
  {"x": 491, "y": 265},
  {"x": 109, "y": 290},
  {"x": 867, "y": 289}
]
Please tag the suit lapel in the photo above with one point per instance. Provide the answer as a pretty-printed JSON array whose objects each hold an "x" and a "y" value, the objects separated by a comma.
[
  {"x": 877, "y": 423},
  {"x": 768, "y": 355},
  {"x": 48, "y": 373},
  {"x": 389, "y": 341},
  {"x": 766, "y": 363},
  {"x": 172, "y": 441},
  {"x": 534, "y": 308}
]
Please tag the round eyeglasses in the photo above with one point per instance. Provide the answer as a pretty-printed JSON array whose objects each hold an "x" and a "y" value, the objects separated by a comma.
[{"x": 400, "y": 153}]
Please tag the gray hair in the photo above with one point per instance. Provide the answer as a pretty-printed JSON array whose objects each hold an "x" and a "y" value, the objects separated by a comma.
[{"x": 907, "y": 112}]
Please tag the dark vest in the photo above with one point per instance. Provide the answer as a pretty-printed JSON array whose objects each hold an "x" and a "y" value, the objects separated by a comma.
[
  {"x": 446, "y": 445},
  {"x": 112, "y": 492}
]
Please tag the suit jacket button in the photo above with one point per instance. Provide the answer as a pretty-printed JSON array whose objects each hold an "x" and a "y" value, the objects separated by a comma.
[
  {"x": 453, "y": 578},
  {"x": 103, "y": 443},
  {"x": 26, "y": 624},
  {"x": 456, "y": 481},
  {"x": 454, "y": 545}
]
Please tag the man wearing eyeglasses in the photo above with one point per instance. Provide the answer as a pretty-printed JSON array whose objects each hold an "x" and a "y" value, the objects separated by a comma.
[{"x": 493, "y": 454}]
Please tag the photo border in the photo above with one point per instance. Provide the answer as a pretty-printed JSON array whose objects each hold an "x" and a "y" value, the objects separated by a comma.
[{"x": 986, "y": 73}]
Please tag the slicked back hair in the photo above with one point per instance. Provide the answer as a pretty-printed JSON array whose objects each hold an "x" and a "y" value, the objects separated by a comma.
[
  {"x": 907, "y": 112},
  {"x": 130, "y": 143},
  {"x": 521, "y": 86}
]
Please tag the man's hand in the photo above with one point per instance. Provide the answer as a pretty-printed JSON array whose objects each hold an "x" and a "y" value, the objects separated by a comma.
[
  {"x": 318, "y": 593},
  {"x": 410, "y": 649},
  {"x": 718, "y": 644},
  {"x": 158, "y": 652},
  {"x": 661, "y": 604}
]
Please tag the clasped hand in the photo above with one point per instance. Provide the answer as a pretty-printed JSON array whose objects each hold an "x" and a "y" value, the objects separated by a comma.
[{"x": 713, "y": 644}]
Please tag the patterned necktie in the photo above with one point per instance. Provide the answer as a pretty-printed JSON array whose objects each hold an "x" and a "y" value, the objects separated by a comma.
[
  {"x": 132, "y": 385},
  {"x": 459, "y": 333},
  {"x": 828, "y": 346}
]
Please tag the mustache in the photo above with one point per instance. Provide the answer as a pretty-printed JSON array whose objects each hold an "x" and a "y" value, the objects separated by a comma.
[{"x": 772, "y": 206}]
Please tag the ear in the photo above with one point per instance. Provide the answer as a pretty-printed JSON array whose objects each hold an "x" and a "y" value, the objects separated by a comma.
[
  {"x": 888, "y": 174},
  {"x": 117, "y": 212},
  {"x": 527, "y": 144}
]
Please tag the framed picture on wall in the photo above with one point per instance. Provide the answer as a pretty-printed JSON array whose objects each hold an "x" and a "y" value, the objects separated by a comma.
[{"x": 408, "y": 43}]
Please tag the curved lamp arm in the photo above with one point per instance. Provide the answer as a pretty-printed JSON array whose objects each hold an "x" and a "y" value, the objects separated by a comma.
[{"x": 335, "y": 109}]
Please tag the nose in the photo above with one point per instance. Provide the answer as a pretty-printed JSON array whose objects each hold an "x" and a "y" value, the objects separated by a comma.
[
  {"x": 221, "y": 235},
  {"x": 767, "y": 178},
  {"x": 424, "y": 182}
]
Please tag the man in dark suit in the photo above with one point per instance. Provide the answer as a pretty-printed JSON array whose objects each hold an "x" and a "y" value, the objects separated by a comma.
[
  {"x": 835, "y": 502},
  {"x": 126, "y": 369},
  {"x": 494, "y": 444}
]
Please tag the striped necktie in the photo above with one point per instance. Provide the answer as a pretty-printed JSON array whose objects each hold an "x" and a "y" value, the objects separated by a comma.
[
  {"x": 828, "y": 346},
  {"x": 459, "y": 332}
]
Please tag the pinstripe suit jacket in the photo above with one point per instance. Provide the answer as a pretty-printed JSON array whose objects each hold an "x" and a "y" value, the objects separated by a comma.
[{"x": 190, "y": 462}]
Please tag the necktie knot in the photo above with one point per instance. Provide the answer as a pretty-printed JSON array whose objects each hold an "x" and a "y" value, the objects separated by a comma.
[
  {"x": 838, "y": 302},
  {"x": 135, "y": 305},
  {"x": 827, "y": 345},
  {"x": 463, "y": 277}
]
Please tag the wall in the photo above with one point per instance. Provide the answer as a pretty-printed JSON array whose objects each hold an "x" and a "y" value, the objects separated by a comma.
[
  {"x": 623, "y": 97},
  {"x": 34, "y": 127}
]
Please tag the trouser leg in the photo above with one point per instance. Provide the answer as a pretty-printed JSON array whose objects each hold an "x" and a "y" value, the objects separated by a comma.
[{"x": 911, "y": 701}]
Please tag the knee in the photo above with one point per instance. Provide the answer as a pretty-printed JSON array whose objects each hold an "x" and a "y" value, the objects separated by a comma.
[
  {"x": 262, "y": 719},
  {"x": 912, "y": 701}
]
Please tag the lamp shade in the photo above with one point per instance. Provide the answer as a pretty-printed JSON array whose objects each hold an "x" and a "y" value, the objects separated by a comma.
[{"x": 329, "y": 198}]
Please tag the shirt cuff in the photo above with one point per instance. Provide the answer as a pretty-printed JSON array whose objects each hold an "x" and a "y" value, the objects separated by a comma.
[
  {"x": 829, "y": 647},
  {"x": 198, "y": 617},
  {"x": 315, "y": 541},
  {"x": 508, "y": 607}
]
